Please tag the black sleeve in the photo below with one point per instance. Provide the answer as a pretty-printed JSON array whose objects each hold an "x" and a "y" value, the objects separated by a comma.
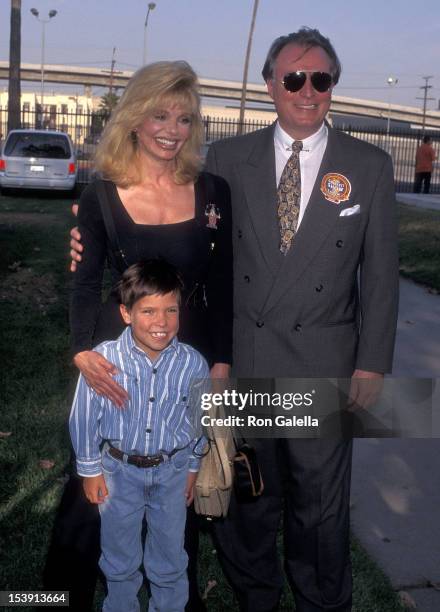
[
  {"x": 86, "y": 299},
  {"x": 219, "y": 284}
]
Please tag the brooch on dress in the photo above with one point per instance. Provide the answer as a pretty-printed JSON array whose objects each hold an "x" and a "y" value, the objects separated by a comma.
[{"x": 213, "y": 214}]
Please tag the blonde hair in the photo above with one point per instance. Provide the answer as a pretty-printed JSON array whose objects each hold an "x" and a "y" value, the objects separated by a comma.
[{"x": 150, "y": 89}]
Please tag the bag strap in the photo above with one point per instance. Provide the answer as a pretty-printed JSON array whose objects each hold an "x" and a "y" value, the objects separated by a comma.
[
  {"x": 225, "y": 462},
  {"x": 109, "y": 222},
  {"x": 218, "y": 448},
  {"x": 217, "y": 445}
]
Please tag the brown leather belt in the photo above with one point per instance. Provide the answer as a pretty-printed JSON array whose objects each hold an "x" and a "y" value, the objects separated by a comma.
[{"x": 140, "y": 461}]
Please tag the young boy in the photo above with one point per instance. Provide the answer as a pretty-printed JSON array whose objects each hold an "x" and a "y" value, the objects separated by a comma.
[{"x": 149, "y": 461}]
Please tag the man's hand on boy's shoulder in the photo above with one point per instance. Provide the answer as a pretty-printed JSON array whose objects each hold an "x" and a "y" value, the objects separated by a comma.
[
  {"x": 95, "y": 488},
  {"x": 189, "y": 489}
]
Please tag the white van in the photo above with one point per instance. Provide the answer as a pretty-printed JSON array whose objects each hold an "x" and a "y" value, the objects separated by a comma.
[{"x": 38, "y": 159}]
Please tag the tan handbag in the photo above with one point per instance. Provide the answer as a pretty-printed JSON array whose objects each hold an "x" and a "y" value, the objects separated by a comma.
[{"x": 213, "y": 487}]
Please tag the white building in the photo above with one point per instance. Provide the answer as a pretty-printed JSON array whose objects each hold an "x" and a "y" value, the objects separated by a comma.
[{"x": 68, "y": 113}]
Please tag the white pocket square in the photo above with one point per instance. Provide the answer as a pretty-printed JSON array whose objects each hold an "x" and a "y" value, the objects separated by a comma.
[{"x": 347, "y": 212}]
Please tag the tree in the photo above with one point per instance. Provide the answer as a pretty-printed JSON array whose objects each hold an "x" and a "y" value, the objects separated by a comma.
[
  {"x": 108, "y": 102},
  {"x": 14, "y": 91}
]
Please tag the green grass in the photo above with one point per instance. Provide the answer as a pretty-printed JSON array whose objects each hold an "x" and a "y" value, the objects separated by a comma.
[
  {"x": 419, "y": 245},
  {"x": 37, "y": 380},
  {"x": 34, "y": 380}
]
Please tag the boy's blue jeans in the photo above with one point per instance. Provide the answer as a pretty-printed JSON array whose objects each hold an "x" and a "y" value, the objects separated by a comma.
[{"x": 158, "y": 494}]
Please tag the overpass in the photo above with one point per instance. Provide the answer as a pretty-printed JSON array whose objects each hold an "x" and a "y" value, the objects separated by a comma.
[{"x": 224, "y": 90}]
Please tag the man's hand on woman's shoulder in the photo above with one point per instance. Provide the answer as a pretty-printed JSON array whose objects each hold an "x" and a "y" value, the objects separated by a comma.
[{"x": 75, "y": 242}]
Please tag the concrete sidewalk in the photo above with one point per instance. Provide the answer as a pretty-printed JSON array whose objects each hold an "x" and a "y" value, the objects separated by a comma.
[
  {"x": 396, "y": 483},
  {"x": 421, "y": 200}
]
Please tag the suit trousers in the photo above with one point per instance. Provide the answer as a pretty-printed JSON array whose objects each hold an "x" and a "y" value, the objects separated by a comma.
[{"x": 310, "y": 480}]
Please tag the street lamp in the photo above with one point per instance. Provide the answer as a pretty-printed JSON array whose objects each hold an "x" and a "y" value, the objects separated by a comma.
[
  {"x": 392, "y": 82},
  {"x": 151, "y": 7},
  {"x": 43, "y": 22}
]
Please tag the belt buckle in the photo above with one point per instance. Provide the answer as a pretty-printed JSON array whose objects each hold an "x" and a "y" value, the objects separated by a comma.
[
  {"x": 146, "y": 462},
  {"x": 138, "y": 460},
  {"x": 155, "y": 461}
]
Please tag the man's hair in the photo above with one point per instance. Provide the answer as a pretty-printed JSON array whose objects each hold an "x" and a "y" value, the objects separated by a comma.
[
  {"x": 150, "y": 277},
  {"x": 306, "y": 38},
  {"x": 151, "y": 89},
  {"x": 426, "y": 139}
]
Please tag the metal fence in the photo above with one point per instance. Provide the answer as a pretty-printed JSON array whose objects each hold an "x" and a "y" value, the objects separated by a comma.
[
  {"x": 80, "y": 125},
  {"x": 216, "y": 128},
  {"x": 402, "y": 146},
  {"x": 85, "y": 130}
]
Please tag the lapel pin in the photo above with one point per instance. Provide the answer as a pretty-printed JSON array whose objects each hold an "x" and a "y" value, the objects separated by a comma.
[{"x": 335, "y": 187}]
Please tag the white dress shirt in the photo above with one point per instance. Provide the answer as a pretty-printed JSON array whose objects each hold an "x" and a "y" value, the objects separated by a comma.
[{"x": 310, "y": 159}]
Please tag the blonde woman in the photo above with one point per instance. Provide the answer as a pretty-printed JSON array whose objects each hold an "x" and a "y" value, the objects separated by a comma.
[{"x": 152, "y": 201}]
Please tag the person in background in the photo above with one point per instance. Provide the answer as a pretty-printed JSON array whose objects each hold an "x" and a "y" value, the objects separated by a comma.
[
  {"x": 160, "y": 204},
  {"x": 425, "y": 157}
]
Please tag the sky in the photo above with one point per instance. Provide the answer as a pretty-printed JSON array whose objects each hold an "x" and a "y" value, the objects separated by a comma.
[{"x": 374, "y": 40}]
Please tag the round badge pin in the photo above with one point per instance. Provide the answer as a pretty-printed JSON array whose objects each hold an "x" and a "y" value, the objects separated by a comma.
[{"x": 335, "y": 187}]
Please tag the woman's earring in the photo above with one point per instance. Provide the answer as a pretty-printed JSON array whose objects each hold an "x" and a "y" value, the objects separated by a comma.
[{"x": 134, "y": 136}]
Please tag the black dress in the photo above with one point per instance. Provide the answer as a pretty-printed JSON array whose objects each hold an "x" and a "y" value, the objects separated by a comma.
[{"x": 201, "y": 248}]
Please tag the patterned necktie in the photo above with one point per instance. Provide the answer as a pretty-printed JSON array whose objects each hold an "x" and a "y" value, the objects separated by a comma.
[{"x": 289, "y": 197}]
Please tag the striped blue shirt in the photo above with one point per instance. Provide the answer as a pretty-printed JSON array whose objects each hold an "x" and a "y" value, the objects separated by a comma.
[{"x": 161, "y": 414}]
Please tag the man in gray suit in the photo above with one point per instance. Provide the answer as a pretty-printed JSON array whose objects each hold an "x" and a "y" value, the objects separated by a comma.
[{"x": 316, "y": 290}]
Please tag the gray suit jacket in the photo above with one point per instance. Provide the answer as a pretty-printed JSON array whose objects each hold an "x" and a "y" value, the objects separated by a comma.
[{"x": 330, "y": 305}]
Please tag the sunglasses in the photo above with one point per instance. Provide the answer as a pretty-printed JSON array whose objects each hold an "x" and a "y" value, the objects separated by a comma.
[{"x": 294, "y": 81}]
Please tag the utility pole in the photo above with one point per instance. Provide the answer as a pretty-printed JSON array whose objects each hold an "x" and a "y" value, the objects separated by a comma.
[
  {"x": 425, "y": 99},
  {"x": 112, "y": 71},
  {"x": 110, "y": 99},
  {"x": 246, "y": 68},
  {"x": 14, "y": 86}
]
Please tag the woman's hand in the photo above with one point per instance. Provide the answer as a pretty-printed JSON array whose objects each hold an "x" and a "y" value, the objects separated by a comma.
[
  {"x": 189, "y": 487},
  {"x": 220, "y": 370},
  {"x": 98, "y": 373},
  {"x": 219, "y": 374}
]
